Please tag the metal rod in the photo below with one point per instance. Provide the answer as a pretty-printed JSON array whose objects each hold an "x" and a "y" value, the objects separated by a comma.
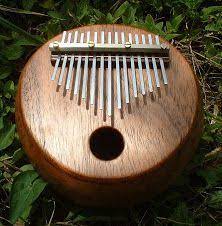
[
  {"x": 147, "y": 68},
  {"x": 58, "y": 59},
  {"x": 113, "y": 58},
  {"x": 133, "y": 69},
  {"x": 101, "y": 104},
  {"x": 86, "y": 70},
  {"x": 154, "y": 64},
  {"x": 162, "y": 63},
  {"x": 64, "y": 62},
  {"x": 78, "y": 69},
  {"x": 126, "y": 83},
  {"x": 57, "y": 47},
  {"x": 142, "y": 85},
  {"x": 93, "y": 76},
  {"x": 109, "y": 77},
  {"x": 118, "y": 81},
  {"x": 71, "y": 64}
]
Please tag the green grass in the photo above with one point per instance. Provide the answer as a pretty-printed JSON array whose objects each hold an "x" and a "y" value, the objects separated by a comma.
[{"x": 194, "y": 27}]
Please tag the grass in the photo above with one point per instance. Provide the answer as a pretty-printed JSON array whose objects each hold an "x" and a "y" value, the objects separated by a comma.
[{"x": 194, "y": 27}]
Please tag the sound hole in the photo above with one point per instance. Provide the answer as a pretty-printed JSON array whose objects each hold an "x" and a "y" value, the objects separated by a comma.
[{"x": 106, "y": 143}]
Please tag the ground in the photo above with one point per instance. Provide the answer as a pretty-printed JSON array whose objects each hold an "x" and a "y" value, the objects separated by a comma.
[{"x": 194, "y": 27}]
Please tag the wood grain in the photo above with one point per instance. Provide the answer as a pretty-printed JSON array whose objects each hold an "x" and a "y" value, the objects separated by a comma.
[{"x": 160, "y": 132}]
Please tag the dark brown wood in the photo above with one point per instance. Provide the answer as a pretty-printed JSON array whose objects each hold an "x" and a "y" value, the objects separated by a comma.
[{"x": 160, "y": 132}]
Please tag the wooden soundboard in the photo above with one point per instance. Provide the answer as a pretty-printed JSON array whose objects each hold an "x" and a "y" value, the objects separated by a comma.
[{"x": 100, "y": 160}]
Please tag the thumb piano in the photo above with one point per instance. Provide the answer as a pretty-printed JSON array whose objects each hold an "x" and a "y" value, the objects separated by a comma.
[{"x": 108, "y": 114}]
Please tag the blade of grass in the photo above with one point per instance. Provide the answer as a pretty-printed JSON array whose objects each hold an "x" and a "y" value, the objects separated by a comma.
[
  {"x": 21, "y": 11},
  {"x": 5, "y": 23}
]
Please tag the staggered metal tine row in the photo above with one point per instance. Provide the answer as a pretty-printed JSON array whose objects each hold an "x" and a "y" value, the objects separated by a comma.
[
  {"x": 161, "y": 63},
  {"x": 109, "y": 79},
  {"x": 59, "y": 58},
  {"x": 125, "y": 75},
  {"x": 64, "y": 62},
  {"x": 118, "y": 78},
  {"x": 154, "y": 64},
  {"x": 93, "y": 75},
  {"x": 78, "y": 69},
  {"x": 101, "y": 85},
  {"x": 86, "y": 71},
  {"x": 147, "y": 68},
  {"x": 101, "y": 77},
  {"x": 71, "y": 64},
  {"x": 133, "y": 69},
  {"x": 142, "y": 85}
]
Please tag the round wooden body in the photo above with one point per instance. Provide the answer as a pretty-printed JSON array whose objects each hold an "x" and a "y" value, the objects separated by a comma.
[{"x": 62, "y": 133}]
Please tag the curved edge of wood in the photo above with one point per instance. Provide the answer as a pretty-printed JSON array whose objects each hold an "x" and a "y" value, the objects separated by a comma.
[
  {"x": 89, "y": 191},
  {"x": 100, "y": 193},
  {"x": 21, "y": 122}
]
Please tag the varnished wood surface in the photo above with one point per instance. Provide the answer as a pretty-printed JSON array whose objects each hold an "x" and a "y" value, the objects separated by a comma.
[{"x": 160, "y": 132}]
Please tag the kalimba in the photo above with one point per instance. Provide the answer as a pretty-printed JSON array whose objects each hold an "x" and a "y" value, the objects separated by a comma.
[{"x": 109, "y": 114}]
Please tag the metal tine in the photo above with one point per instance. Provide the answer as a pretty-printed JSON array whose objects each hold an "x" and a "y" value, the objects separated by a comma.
[
  {"x": 147, "y": 68},
  {"x": 71, "y": 64},
  {"x": 109, "y": 75},
  {"x": 78, "y": 69},
  {"x": 154, "y": 64},
  {"x": 126, "y": 83},
  {"x": 86, "y": 70},
  {"x": 118, "y": 82},
  {"x": 93, "y": 75},
  {"x": 162, "y": 63},
  {"x": 64, "y": 62},
  {"x": 101, "y": 104},
  {"x": 133, "y": 69},
  {"x": 59, "y": 58},
  {"x": 142, "y": 85}
]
